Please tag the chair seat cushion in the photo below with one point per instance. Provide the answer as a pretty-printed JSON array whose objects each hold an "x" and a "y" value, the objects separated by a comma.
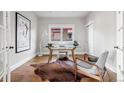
[
  {"x": 92, "y": 70},
  {"x": 83, "y": 64}
]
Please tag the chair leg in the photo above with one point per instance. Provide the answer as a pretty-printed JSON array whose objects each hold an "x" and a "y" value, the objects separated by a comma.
[
  {"x": 102, "y": 80},
  {"x": 106, "y": 72},
  {"x": 103, "y": 75},
  {"x": 108, "y": 75}
]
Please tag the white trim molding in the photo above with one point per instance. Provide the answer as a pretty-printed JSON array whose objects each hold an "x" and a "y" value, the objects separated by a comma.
[{"x": 18, "y": 64}]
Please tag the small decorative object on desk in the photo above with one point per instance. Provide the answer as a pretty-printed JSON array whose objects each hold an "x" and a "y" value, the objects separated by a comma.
[
  {"x": 75, "y": 43},
  {"x": 49, "y": 45}
]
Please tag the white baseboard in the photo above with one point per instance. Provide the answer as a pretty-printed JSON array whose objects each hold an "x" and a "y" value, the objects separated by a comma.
[
  {"x": 18, "y": 64},
  {"x": 111, "y": 68},
  {"x": 40, "y": 55}
]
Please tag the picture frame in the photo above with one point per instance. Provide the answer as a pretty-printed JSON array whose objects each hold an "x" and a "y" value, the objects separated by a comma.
[{"x": 23, "y": 33}]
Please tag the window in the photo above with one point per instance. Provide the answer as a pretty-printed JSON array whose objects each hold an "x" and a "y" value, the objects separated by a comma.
[
  {"x": 67, "y": 34},
  {"x": 55, "y": 34},
  {"x": 63, "y": 33}
]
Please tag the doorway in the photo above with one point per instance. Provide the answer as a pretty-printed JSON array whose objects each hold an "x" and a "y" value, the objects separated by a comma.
[
  {"x": 120, "y": 46},
  {"x": 4, "y": 46},
  {"x": 90, "y": 33}
]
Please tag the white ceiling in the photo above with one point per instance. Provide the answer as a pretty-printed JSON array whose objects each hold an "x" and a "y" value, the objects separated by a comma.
[{"x": 59, "y": 14}]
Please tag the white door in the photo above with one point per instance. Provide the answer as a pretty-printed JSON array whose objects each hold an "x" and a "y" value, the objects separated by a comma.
[
  {"x": 120, "y": 46},
  {"x": 4, "y": 48},
  {"x": 9, "y": 47},
  {"x": 90, "y": 30}
]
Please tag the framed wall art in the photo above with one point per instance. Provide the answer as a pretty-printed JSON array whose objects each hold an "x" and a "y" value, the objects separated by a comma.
[{"x": 23, "y": 33}]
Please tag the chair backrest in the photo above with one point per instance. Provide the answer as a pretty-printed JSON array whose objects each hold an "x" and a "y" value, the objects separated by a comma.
[
  {"x": 102, "y": 60},
  {"x": 111, "y": 59}
]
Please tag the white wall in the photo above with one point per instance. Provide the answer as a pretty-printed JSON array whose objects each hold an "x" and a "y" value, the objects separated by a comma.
[
  {"x": 17, "y": 58},
  {"x": 104, "y": 33},
  {"x": 79, "y": 32}
]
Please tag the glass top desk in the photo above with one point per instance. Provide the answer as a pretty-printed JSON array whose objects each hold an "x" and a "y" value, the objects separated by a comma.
[{"x": 51, "y": 49}]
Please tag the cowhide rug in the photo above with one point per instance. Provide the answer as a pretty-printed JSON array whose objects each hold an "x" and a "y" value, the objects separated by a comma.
[{"x": 58, "y": 71}]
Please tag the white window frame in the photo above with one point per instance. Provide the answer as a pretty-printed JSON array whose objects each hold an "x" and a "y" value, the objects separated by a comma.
[{"x": 61, "y": 26}]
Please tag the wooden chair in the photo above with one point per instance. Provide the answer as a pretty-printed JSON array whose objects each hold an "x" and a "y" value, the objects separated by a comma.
[
  {"x": 89, "y": 58},
  {"x": 94, "y": 71}
]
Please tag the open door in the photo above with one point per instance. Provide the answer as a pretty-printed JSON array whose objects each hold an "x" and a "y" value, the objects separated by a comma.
[
  {"x": 4, "y": 45},
  {"x": 120, "y": 46},
  {"x": 90, "y": 32}
]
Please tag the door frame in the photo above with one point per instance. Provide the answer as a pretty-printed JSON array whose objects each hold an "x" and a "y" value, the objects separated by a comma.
[
  {"x": 87, "y": 26},
  {"x": 5, "y": 45},
  {"x": 120, "y": 45}
]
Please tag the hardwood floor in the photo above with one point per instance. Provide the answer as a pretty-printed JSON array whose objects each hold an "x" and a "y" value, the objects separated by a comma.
[{"x": 25, "y": 73}]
